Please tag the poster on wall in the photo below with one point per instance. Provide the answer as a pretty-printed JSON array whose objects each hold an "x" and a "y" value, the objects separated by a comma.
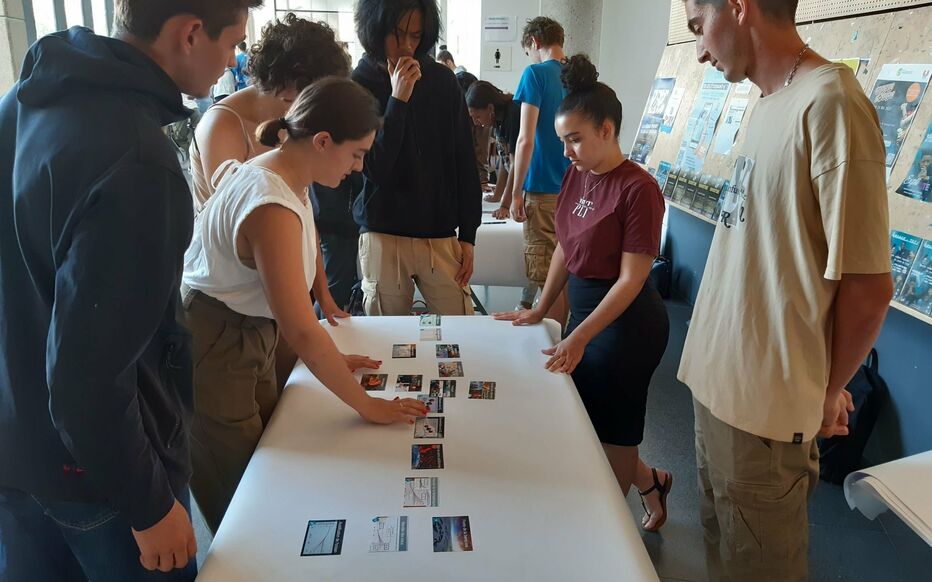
[
  {"x": 853, "y": 64},
  {"x": 703, "y": 120},
  {"x": 916, "y": 292},
  {"x": 896, "y": 96},
  {"x": 917, "y": 184},
  {"x": 499, "y": 29},
  {"x": 653, "y": 118},
  {"x": 903, "y": 250},
  {"x": 726, "y": 136},
  {"x": 673, "y": 107}
]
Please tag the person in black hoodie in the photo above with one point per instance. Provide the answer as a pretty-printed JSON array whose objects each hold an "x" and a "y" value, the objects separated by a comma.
[
  {"x": 95, "y": 364},
  {"x": 422, "y": 184}
]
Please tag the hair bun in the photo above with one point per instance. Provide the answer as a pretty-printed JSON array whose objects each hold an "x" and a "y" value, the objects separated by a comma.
[{"x": 579, "y": 74}]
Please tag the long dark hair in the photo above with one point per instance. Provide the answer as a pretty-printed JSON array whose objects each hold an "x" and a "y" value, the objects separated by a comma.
[
  {"x": 481, "y": 94},
  {"x": 586, "y": 95},
  {"x": 376, "y": 19},
  {"x": 333, "y": 104}
]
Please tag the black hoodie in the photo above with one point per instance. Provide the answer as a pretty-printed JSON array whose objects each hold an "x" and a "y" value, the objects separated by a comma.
[
  {"x": 421, "y": 173},
  {"x": 95, "y": 216}
]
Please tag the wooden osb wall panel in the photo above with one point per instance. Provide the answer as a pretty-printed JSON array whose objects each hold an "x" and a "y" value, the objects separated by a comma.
[
  {"x": 808, "y": 11},
  {"x": 896, "y": 37}
]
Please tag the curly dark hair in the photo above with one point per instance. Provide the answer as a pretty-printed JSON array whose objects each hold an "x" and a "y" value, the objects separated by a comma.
[
  {"x": 547, "y": 31},
  {"x": 294, "y": 52}
]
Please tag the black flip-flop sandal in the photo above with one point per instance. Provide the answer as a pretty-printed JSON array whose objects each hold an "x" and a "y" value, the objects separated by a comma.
[{"x": 664, "y": 490}]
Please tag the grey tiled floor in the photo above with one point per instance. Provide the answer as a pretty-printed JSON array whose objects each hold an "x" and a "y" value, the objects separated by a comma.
[{"x": 844, "y": 545}]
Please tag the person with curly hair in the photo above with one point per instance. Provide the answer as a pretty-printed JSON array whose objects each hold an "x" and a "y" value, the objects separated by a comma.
[{"x": 291, "y": 54}]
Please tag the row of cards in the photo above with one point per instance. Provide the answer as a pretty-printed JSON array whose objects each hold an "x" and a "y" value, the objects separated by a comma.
[
  {"x": 444, "y": 351},
  {"x": 389, "y": 534},
  {"x": 478, "y": 389}
]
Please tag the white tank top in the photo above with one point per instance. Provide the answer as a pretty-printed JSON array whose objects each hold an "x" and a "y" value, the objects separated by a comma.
[{"x": 211, "y": 264}]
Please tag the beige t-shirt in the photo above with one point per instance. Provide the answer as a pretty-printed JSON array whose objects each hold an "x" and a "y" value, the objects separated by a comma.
[{"x": 807, "y": 204}]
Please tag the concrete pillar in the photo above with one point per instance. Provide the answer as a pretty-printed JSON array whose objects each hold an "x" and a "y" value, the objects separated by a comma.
[
  {"x": 582, "y": 22},
  {"x": 13, "y": 42}
]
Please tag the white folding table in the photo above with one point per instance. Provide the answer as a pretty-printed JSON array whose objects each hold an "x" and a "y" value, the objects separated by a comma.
[{"x": 526, "y": 467}]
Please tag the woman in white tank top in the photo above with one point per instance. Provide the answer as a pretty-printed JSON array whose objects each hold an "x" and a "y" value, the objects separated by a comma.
[
  {"x": 291, "y": 54},
  {"x": 247, "y": 275}
]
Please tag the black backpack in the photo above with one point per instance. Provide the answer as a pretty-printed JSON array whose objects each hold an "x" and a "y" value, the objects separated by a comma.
[
  {"x": 841, "y": 455},
  {"x": 661, "y": 275}
]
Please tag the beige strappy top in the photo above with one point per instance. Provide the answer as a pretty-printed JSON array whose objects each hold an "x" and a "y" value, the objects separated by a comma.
[{"x": 203, "y": 189}]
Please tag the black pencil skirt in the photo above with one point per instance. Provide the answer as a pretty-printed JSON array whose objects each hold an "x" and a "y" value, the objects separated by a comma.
[{"x": 614, "y": 374}]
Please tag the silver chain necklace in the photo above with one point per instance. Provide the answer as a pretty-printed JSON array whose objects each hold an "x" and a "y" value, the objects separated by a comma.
[
  {"x": 594, "y": 186},
  {"x": 799, "y": 59}
]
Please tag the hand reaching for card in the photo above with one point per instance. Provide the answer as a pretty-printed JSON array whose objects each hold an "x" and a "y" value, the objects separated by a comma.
[
  {"x": 354, "y": 362},
  {"x": 381, "y": 411}
]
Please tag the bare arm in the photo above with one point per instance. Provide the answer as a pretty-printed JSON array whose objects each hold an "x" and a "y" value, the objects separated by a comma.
[
  {"x": 861, "y": 305},
  {"x": 557, "y": 277},
  {"x": 523, "y": 153},
  {"x": 321, "y": 287},
  {"x": 273, "y": 235},
  {"x": 504, "y": 209},
  {"x": 219, "y": 138}
]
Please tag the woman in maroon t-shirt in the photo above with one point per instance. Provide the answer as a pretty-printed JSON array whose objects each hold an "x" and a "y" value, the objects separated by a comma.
[{"x": 608, "y": 224}]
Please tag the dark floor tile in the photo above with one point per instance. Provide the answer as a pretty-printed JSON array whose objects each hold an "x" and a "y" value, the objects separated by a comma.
[
  {"x": 914, "y": 557},
  {"x": 829, "y": 507},
  {"x": 851, "y": 555}
]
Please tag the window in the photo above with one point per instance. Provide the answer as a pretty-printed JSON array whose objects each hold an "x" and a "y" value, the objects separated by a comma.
[
  {"x": 44, "y": 14},
  {"x": 101, "y": 22},
  {"x": 74, "y": 13}
]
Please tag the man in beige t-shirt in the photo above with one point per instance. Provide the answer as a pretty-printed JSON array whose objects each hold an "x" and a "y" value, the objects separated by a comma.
[{"x": 795, "y": 290}]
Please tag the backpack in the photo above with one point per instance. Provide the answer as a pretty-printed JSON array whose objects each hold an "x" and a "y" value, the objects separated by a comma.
[
  {"x": 841, "y": 455},
  {"x": 661, "y": 275}
]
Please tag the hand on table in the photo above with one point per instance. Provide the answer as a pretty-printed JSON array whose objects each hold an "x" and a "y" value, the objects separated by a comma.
[
  {"x": 521, "y": 317},
  {"x": 331, "y": 311},
  {"x": 381, "y": 411},
  {"x": 566, "y": 355},
  {"x": 168, "y": 544},
  {"x": 501, "y": 213},
  {"x": 835, "y": 412},
  {"x": 354, "y": 362}
]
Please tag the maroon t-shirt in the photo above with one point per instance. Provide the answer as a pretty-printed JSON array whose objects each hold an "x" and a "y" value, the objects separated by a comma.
[{"x": 623, "y": 213}]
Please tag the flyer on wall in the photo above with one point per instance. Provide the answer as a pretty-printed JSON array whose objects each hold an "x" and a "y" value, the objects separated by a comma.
[
  {"x": 896, "y": 97},
  {"x": 703, "y": 120},
  {"x": 673, "y": 107},
  {"x": 903, "y": 250},
  {"x": 726, "y": 136},
  {"x": 917, "y": 184},
  {"x": 917, "y": 291},
  {"x": 652, "y": 120}
]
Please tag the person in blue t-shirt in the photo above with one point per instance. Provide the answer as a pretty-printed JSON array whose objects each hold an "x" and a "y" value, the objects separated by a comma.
[
  {"x": 539, "y": 163},
  {"x": 242, "y": 59}
]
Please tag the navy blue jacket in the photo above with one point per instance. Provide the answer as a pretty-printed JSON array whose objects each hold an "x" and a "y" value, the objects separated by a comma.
[
  {"x": 421, "y": 176},
  {"x": 95, "y": 216}
]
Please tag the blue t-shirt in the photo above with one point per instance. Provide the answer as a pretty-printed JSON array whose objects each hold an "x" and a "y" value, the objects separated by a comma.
[{"x": 541, "y": 87}]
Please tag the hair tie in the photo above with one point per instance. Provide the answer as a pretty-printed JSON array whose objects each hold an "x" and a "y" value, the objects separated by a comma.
[{"x": 283, "y": 122}]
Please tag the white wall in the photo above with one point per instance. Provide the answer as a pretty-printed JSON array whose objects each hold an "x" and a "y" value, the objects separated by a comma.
[
  {"x": 630, "y": 55},
  {"x": 463, "y": 22}
]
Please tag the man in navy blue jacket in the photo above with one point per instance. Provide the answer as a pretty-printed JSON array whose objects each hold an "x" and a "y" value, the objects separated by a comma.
[
  {"x": 422, "y": 203},
  {"x": 95, "y": 366}
]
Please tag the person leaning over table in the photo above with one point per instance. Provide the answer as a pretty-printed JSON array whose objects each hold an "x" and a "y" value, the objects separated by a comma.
[
  {"x": 291, "y": 53},
  {"x": 490, "y": 107},
  {"x": 608, "y": 224},
  {"x": 247, "y": 277}
]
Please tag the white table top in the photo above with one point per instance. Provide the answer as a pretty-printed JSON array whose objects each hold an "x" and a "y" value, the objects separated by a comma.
[
  {"x": 527, "y": 468},
  {"x": 499, "y": 251}
]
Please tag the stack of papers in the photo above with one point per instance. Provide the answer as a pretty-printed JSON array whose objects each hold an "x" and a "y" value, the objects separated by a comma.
[{"x": 902, "y": 486}]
